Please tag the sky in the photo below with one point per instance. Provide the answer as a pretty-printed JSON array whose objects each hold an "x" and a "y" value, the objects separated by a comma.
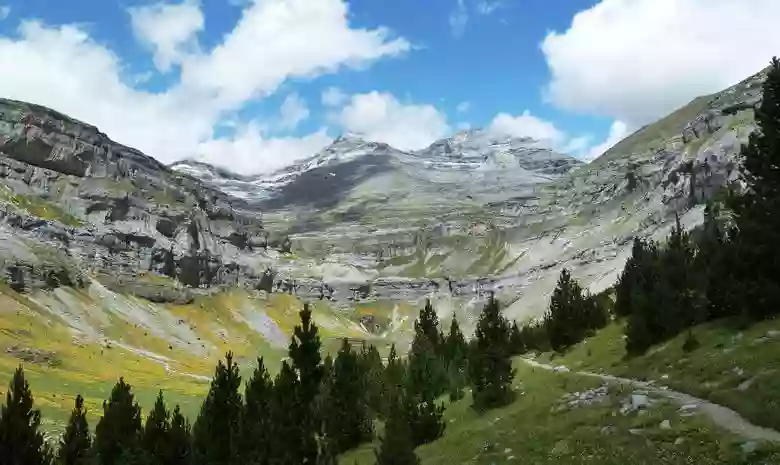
[{"x": 254, "y": 85}]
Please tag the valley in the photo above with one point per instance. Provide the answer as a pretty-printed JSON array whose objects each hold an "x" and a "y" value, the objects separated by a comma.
[{"x": 117, "y": 265}]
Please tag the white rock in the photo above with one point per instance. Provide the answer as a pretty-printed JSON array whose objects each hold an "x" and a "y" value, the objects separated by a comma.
[
  {"x": 561, "y": 369},
  {"x": 666, "y": 424},
  {"x": 749, "y": 447},
  {"x": 679, "y": 441},
  {"x": 639, "y": 401}
]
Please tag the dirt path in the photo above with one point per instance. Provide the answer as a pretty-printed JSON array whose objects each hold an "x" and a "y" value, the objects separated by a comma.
[{"x": 720, "y": 415}]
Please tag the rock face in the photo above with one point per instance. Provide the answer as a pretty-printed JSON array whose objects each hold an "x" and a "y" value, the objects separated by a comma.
[
  {"x": 107, "y": 208},
  {"x": 359, "y": 221}
]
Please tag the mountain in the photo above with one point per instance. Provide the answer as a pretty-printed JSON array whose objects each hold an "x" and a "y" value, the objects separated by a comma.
[{"x": 116, "y": 264}]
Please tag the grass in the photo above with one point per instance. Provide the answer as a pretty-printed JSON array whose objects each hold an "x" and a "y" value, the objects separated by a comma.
[
  {"x": 532, "y": 431},
  {"x": 645, "y": 138},
  {"x": 45, "y": 210},
  {"x": 738, "y": 368}
]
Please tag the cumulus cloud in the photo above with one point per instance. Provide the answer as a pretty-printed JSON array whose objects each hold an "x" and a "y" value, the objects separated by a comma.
[
  {"x": 248, "y": 148},
  {"x": 637, "y": 60},
  {"x": 459, "y": 18},
  {"x": 275, "y": 40},
  {"x": 527, "y": 125},
  {"x": 380, "y": 117},
  {"x": 617, "y": 132},
  {"x": 333, "y": 97},
  {"x": 463, "y": 107},
  {"x": 293, "y": 111},
  {"x": 168, "y": 29},
  {"x": 582, "y": 147}
]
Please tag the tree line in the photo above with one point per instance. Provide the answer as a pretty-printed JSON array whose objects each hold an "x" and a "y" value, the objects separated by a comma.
[{"x": 311, "y": 411}]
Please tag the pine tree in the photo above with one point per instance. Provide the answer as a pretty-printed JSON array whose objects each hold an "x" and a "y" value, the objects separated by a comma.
[
  {"x": 428, "y": 350},
  {"x": 427, "y": 326},
  {"x": 425, "y": 417},
  {"x": 256, "y": 428},
  {"x": 394, "y": 381},
  {"x": 572, "y": 314},
  {"x": 456, "y": 360},
  {"x": 307, "y": 363},
  {"x": 156, "y": 435},
  {"x": 76, "y": 442},
  {"x": 755, "y": 211},
  {"x": 216, "y": 431},
  {"x": 347, "y": 423},
  {"x": 397, "y": 446},
  {"x": 118, "y": 432},
  {"x": 629, "y": 279},
  {"x": 641, "y": 329},
  {"x": 21, "y": 443},
  {"x": 180, "y": 440},
  {"x": 664, "y": 301},
  {"x": 516, "y": 343},
  {"x": 284, "y": 420},
  {"x": 490, "y": 366},
  {"x": 373, "y": 377}
]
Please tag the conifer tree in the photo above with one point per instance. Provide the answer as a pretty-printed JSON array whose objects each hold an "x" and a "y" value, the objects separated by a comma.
[
  {"x": 571, "y": 314},
  {"x": 118, "y": 432},
  {"x": 307, "y": 363},
  {"x": 216, "y": 431},
  {"x": 284, "y": 420},
  {"x": 256, "y": 428},
  {"x": 180, "y": 441},
  {"x": 641, "y": 328},
  {"x": 373, "y": 377},
  {"x": 394, "y": 380},
  {"x": 516, "y": 343},
  {"x": 490, "y": 366},
  {"x": 421, "y": 392},
  {"x": 397, "y": 445},
  {"x": 156, "y": 435},
  {"x": 629, "y": 279},
  {"x": 76, "y": 442},
  {"x": 347, "y": 423},
  {"x": 21, "y": 443},
  {"x": 427, "y": 350},
  {"x": 427, "y": 326},
  {"x": 456, "y": 360},
  {"x": 757, "y": 230}
]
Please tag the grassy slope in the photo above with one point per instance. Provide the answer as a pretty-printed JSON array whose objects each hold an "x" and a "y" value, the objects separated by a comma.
[
  {"x": 727, "y": 358},
  {"x": 530, "y": 432},
  {"x": 80, "y": 366}
]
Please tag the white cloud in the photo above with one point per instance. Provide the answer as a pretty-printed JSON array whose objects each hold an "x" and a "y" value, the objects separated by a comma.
[
  {"x": 527, "y": 125},
  {"x": 248, "y": 149},
  {"x": 278, "y": 39},
  {"x": 380, "y": 117},
  {"x": 582, "y": 147},
  {"x": 168, "y": 29},
  {"x": 459, "y": 18},
  {"x": 274, "y": 41},
  {"x": 333, "y": 97},
  {"x": 463, "y": 107},
  {"x": 5, "y": 10},
  {"x": 486, "y": 7},
  {"x": 637, "y": 60},
  {"x": 617, "y": 132},
  {"x": 293, "y": 111}
]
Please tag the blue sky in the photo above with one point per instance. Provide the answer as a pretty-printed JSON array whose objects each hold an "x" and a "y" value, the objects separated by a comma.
[{"x": 254, "y": 85}]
